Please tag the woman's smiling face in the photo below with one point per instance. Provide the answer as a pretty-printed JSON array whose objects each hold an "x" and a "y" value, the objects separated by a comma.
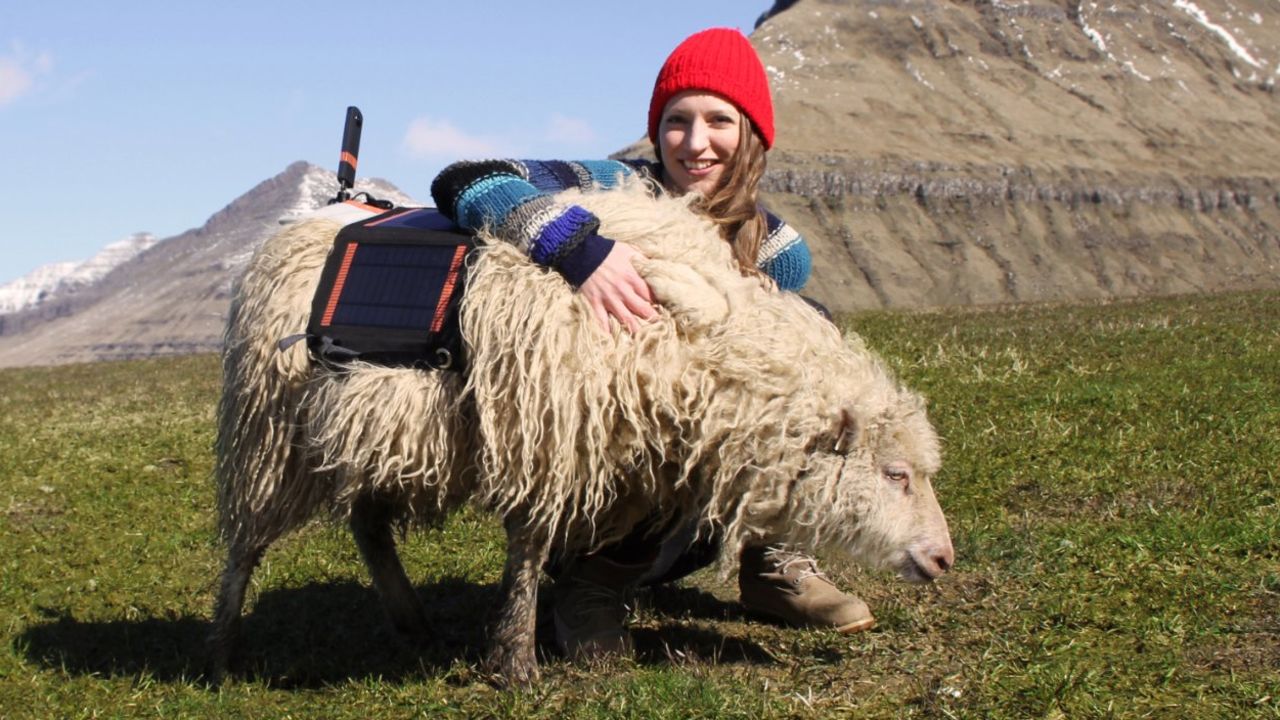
[{"x": 698, "y": 136}]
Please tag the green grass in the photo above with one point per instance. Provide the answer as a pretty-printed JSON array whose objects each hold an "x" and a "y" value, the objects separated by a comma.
[{"x": 1110, "y": 477}]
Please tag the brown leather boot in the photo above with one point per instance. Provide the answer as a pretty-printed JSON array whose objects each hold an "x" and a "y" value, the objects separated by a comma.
[
  {"x": 589, "y": 606},
  {"x": 788, "y": 586}
]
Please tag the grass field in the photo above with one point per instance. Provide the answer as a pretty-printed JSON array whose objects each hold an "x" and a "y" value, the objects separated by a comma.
[{"x": 1110, "y": 477}]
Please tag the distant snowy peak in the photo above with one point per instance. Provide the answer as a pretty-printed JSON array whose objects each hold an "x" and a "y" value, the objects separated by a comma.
[
  {"x": 237, "y": 230},
  {"x": 113, "y": 256},
  {"x": 53, "y": 279},
  {"x": 317, "y": 186},
  {"x": 229, "y": 237},
  {"x": 32, "y": 288}
]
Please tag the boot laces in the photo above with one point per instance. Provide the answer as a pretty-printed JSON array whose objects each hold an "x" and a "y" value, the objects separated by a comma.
[{"x": 783, "y": 559}]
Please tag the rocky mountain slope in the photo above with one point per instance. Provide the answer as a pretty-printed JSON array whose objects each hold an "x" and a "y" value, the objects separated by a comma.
[
  {"x": 942, "y": 153},
  {"x": 172, "y": 298}
]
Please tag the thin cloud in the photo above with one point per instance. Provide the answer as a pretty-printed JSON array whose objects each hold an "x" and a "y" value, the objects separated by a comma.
[
  {"x": 570, "y": 131},
  {"x": 19, "y": 70},
  {"x": 14, "y": 80},
  {"x": 427, "y": 137}
]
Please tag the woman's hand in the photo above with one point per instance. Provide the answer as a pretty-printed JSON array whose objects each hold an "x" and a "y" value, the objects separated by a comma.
[{"x": 615, "y": 288}]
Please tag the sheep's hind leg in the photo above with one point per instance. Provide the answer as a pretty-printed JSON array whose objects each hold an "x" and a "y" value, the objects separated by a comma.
[
  {"x": 371, "y": 518},
  {"x": 511, "y": 644},
  {"x": 221, "y": 644}
]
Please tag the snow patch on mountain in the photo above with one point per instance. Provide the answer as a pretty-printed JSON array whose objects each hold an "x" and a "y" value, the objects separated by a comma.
[
  {"x": 317, "y": 187},
  {"x": 1203, "y": 18},
  {"x": 58, "y": 278}
]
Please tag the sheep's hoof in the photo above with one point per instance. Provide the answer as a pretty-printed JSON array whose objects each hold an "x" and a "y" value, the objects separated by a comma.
[
  {"x": 412, "y": 627},
  {"x": 512, "y": 669},
  {"x": 214, "y": 674},
  {"x": 217, "y": 665}
]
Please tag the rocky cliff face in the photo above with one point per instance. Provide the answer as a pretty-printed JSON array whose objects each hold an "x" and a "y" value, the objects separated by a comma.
[
  {"x": 173, "y": 298},
  {"x": 942, "y": 153}
]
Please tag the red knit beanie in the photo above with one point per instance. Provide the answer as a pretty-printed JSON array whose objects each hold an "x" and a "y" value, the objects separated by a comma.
[{"x": 722, "y": 61}]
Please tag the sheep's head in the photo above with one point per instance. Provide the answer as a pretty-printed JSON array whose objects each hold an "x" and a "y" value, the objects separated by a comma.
[{"x": 868, "y": 490}]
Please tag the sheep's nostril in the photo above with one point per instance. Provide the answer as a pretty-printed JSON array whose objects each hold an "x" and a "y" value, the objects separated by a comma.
[
  {"x": 943, "y": 561},
  {"x": 947, "y": 558},
  {"x": 943, "y": 558}
]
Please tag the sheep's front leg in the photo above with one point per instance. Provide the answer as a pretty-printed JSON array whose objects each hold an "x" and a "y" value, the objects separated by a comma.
[{"x": 511, "y": 643}]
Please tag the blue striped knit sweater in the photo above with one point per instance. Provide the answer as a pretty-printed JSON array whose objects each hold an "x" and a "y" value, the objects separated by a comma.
[{"x": 515, "y": 199}]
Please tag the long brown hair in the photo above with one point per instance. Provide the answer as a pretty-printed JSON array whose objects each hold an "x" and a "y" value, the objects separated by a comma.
[{"x": 734, "y": 204}]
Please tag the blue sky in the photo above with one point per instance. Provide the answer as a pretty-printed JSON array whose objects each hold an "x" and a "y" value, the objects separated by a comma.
[{"x": 126, "y": 117}]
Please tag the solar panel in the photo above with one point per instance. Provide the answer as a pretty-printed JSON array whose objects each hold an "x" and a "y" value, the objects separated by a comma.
[
  {"x": 394, "y": 285},
  {"x": 390, "y": 289}
]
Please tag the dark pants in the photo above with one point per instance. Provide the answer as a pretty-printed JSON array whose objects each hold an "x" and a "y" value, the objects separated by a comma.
[{"x": 649, "y": 548}]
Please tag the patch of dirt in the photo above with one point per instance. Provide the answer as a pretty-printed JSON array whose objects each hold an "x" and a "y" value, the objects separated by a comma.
[
  {"x": 1250, "y": 652},
  {"x": 31, "y": 515},
  {"x": 1253, "y": 648}
]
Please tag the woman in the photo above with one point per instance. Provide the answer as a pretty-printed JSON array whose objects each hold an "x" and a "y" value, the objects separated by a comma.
[{"x": 711, "y": 123}]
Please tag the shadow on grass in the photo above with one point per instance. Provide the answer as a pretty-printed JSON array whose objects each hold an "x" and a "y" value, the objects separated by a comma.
[
  {"x": 326, "y": 633},
  {"x": 681, "y": 600},
  {"x": 681, "y": 642},
  {"x": 308, "y": 636}
]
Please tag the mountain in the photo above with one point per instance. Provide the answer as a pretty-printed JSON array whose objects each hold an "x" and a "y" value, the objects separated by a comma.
[
  {"x": 932, "y": 153},
  {"x": 173, "y": 297},
  {"x": 941, "y": 153},
  {"x": 66, "y": 278}
]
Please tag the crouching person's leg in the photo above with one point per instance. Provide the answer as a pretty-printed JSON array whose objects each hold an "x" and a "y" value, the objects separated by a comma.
[
  {"x": 773, "y": 581},
  {"x": 787, "y": 585},
  {"x": 682, "y": 553},
  {"x": 591, "y": 597}
]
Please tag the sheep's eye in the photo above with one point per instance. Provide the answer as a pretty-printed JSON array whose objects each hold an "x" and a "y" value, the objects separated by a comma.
[{"x": 898, "y": 475}]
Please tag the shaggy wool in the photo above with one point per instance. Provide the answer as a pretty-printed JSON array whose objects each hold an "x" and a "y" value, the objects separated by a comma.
[{"x": 727, "y": 409}]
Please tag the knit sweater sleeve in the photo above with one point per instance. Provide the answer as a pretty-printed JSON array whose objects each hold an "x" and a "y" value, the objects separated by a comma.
[
  {"x": 515, "y": 200},
  {"x": 784, "y": 255}
]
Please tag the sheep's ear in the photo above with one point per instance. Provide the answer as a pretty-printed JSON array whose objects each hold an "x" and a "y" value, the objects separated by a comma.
[{"x": 848, "y": 430}]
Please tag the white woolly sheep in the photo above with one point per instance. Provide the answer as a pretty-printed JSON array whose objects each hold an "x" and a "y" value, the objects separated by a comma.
[{"x": 739, "y": 408}]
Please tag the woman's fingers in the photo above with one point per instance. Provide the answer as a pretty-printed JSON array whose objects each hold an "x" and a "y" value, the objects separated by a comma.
[
  {"x": 627, "y": 308},
  {"x": 637, "y": 305},
  {"x": 633, "y": 278},
  {"x": 616, "y": 290},
  {"x": 601, "y": 315},
  {"x": 624, "y": 315}
]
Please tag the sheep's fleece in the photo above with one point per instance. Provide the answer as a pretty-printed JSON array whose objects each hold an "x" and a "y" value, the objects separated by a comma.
[{"x": 713, "y": 409}]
